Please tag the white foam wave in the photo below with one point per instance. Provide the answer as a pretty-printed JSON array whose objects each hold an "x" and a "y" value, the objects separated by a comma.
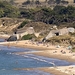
[{"x": 43, "y": 60}]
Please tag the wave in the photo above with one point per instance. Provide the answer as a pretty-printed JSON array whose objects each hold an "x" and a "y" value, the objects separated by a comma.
[{"x": 39, "y": 59}]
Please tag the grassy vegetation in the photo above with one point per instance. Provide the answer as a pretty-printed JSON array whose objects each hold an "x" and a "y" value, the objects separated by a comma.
[
  {"x": 73, "y": 49},
  {"x": 7, "y": 10},
  {"x": 57, "y": 15},
  {"x": 63, "y": 39},
  {"x": 28, "y": 37},
  {"x": 72, "y": 34},
  {"x": 23, "y": 24}
]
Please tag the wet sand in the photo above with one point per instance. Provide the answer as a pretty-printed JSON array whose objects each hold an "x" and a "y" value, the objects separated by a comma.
[{"x": 51, "y": 70}]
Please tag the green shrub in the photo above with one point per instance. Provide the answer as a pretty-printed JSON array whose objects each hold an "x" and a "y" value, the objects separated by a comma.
[
  {"x": 23, "y": 24},
  {"x": 73, "y": 49},
  {"x": 28, "y": 37}
]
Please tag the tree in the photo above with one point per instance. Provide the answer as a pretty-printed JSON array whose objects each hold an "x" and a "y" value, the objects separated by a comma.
[
  {"x": 26, "y": 3},
  {"x": 37, "y": 2},
  {"x": 12, "y": 2},
  {"x": 51, "y": 2},
  {"x": 58, "y": 1},
  {"x": 1, "y": 13},
  {"x": 59, "y": 9},
  {"x": 8, "y": 10}
]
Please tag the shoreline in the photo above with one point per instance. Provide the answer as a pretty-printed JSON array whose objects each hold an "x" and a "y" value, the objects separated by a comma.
[
  {"x": 44, "y": 50},
  {"x": 50, "y": 70},
  {"x": 50, "y": 51},
  {"x": 56, "y": 56}
]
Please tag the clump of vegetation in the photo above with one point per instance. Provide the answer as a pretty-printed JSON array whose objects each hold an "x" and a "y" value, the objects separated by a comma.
[
  {"x": 23, "y": 24},
  {"x": 7, "y": 10},
  {"x": 73, "y": 49},
  {"x": 63, "y": 39},
  {"x": 28, "y": 37},
  {"x": 57, "y": 15},
  {"x": 72, "y": 34}
]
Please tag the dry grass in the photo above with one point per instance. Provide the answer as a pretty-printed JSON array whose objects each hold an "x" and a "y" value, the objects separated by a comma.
[
  {"x": 63, "y": 39},
  {"x": 39, "y": 26}
]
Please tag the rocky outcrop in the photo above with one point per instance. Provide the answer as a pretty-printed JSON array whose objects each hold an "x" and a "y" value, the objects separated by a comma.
[{"x": 12, "y": 38}]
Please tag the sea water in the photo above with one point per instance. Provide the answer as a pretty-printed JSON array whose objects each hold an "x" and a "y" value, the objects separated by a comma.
[{"x": 10, "y": 61}]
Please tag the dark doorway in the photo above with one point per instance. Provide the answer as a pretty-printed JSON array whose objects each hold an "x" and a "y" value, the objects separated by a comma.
[
  {"x": 74, "y": 1},
  {"x": 57, "y": 34}
]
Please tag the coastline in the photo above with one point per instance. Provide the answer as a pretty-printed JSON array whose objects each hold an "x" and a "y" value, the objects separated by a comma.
[
  {"x": 57, "y": 56},
  {"x": 50, "y": 70},
  {"x": 50, "y": 51},
  {"x": 44, "y": 50}
]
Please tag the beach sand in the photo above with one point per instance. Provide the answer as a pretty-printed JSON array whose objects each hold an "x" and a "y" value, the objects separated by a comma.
[
  {"x": 48, "y": 51},
  {"x": 50, "y": 70},
  {"x": 53, "y": 71}
]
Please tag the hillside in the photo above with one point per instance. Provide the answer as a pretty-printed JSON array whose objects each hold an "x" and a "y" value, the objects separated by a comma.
[
  {"x": 41, "y": 19},
  {"x": 39, "y": 26},
  {"x": 21, "y": 1},
  {"x": 7, "y": 25}
]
